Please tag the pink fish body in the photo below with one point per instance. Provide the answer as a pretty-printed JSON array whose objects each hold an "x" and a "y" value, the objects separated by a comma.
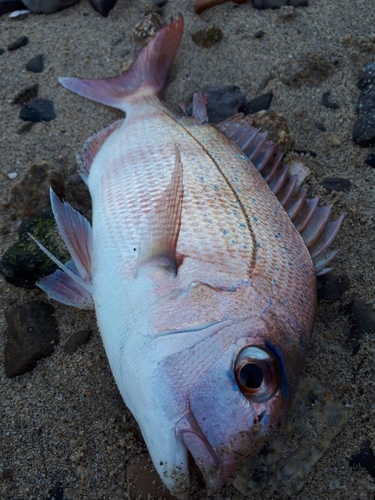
[{"x": 204, "y": 290}]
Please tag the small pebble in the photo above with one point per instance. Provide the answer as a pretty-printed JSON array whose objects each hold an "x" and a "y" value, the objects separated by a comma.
[
  {"x": 277, "y": 4},
  {"x": 259, "y": 34},
  {"x": 201, "y": 5},
  {"x": 320, "y": 126},
  {"x": 20, "y": 42},
  {"x": 370, "y": 160},
  {"x": 326, "y": 101},
  {"x": 2, "y": 51},
  {"x": 261, "y": 103},
  {"x": 103, "y": 6},
  {"x": 36, "y": 64},
  {"x": 335, "y": 184},
  {"x": 75, "y": 340},
  {"x": 366, "y": 459},
  {"x": 26, "y": 94},
  {"x": 48, "y": 6},
  {"x": 12, "y": 175},
  {"x": 38, "y": 110},
  {"x": 32, "y": 335},
  {"x": 332, "y": 287}
]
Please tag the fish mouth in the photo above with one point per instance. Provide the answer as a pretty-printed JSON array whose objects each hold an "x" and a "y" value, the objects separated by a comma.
[{"x": 215, "y": 473}]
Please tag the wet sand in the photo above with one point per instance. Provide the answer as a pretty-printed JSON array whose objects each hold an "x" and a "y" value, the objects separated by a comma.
[{"x": 65, "y": 421}]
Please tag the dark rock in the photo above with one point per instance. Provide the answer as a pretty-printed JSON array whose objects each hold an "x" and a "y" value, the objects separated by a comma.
[
  {"x": 370, "y": 160},
  {"x": 208, "y": 37},
  {"x": 75, "y": 340},
  {"x": 335, "y": 184},
  {"x": 332, "y": 287},
  {"x": 259, "y": 34},
  {"x": 103, "y": 6},
  {"x": 25, "y": 129},
  {"x": 320, "y": 126},
  {"x": 160, "y": 3},
  {"x": 261, "y": 103},
  {"x": 276, "y": 4},
  {"x": 366, "y": 76},
  {"x": 143, "y": 480},
  {"x": 6, "y": 474},
  {"x": 362, "y": 317},
  {"x": 36, "y": 64},
  {"x": 364, "y": 130},
  {"x": 48, "y": 6},
  {"x": 26, "y": 94},
  {"x": 20, "y": 42},
  {"x": 7, "y": 6},
  {"x": 57, "y": 492},
  {"x": 24, "y": 263},
  {"x": 327, "y": 102},
  {"x": 2, "y": 51},
  {"x": 222, "y": 102},
  {"x": 32, "y": 191},
  {"x": 366, "y": 459},
  {"x": 32, "y": 335},
  {"x": 38, "y": 110},
  {"x": 308, "y": 68}
]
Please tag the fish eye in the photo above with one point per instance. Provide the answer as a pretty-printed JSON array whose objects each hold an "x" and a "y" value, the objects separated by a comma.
[{"x": 257, "y": 373}]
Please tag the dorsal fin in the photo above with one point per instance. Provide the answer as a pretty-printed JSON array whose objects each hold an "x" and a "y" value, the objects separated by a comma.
[
  {"x": 310, "y": 219},
  {"x": 159, "y": 243}
]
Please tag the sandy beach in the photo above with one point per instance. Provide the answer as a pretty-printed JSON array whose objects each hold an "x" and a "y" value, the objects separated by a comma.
[{"x": 64, "y": 426}]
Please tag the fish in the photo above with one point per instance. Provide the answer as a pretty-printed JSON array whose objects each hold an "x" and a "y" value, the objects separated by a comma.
[{"x": 200, "y": 262}]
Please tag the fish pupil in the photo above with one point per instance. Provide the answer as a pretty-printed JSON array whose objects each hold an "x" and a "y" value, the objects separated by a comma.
[{"x": 251, "y": 376}]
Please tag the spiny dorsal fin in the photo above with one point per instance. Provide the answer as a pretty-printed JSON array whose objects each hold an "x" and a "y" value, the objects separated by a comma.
[
  {"x": 310, "y": 219},
  {"x": 159, "y": 243}
]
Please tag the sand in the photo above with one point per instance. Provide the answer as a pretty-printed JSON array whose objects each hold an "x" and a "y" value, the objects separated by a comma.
[{"x": 65, "y": 421}]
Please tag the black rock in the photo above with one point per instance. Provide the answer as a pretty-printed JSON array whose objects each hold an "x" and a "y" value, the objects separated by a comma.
[
  {"x": 32, "y": 335},
  {"x": 6, "y": 474},
  {"x": 48, "y": 6},
  {"x": 56, "y": 493},
  {"x": 364, "y": 130},
  {"x": 26, "y": 94},
  {"x": 38, "y": 110},
  {"x": 259, "y": 34},
  {"x": 370, "y": 160},
  {"x": 362, "y": 317},
  {"x": 335, "y": 184},
  {"x": 332, "y": 287},
  {"x": 320, "y": 126},
  {"x": 7, "y": 6},
  {"x": 223, "y": 102},
  {"x": 327, "y": 102},
  {"x": 261, "y": 103},
  {"x": 75, "y": 340},
  {"x": 2, "y": 51},
  {"x": 276, "y": 4},
  {"x": 160, "y": 3},
  {"x": 23, "y": 264},
  {"x": 36, "y": 64},
  {"x": 366, "y": 459},
  {"x": 103, "y": 6},
  {"x": 366, "y": 76},
  {"x": 20, "y": 42}
]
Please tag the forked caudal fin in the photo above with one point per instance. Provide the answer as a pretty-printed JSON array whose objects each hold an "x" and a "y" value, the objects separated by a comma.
[
  {"x": 148, "y": 72},
  {"x": 72, "y": 283}
]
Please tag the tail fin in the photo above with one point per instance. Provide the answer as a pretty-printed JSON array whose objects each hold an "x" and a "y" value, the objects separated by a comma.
[{"x": 149, "y": 70}]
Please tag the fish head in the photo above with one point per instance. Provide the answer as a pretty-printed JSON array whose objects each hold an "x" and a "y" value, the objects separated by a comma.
[{"x": 214, "y": 388}]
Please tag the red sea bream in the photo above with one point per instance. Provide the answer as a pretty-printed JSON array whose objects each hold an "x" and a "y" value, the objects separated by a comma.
[{"x": 201, "y": 265}]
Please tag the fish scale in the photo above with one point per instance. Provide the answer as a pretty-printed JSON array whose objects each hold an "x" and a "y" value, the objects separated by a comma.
[{"x": 203, "y": 287}]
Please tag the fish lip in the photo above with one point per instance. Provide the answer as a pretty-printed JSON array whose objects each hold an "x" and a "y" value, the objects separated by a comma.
[{"x": 208, "y": 462}]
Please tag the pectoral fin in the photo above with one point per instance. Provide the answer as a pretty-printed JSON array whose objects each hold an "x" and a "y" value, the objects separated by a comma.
[{"x": 159, "y": 243}]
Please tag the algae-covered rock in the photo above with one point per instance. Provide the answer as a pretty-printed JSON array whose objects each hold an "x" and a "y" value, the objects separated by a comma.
[
  {"x": 23, "y": 264},
  {"x": 208, "y": 37}
]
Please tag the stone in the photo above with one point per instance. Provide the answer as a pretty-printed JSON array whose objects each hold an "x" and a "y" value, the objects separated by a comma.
[
  {"x": 207, "y": 37},
  {"x": 75, "y": 340},
  {"x": 32, "y": 191},
  {"x": 327, "y": 102},
  {"x": 277, "y": 4},
  {"x": 332, "y": 287},
  {"x": 103, "y": 6},
  {"x": 7, "y": 6},
  {"x": 36, "y": 64},
  {"x": 57, "y": 492},
  {"x": 366, "y": 459},
  {"x": 20, "y": 42},
  {"x": 48, "y": 6},
  {"x": 38, "y": 110},
  {"x": 366, "y": 76},
  {"x": 201, "y": 5},
  {"x": 260, "y": 103},
  {"x": 370, "y": 160},
  {"x": 32, "y": 335},
  {"x": 335, "y": 184},
  {"x": 24, "y": 263}
]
